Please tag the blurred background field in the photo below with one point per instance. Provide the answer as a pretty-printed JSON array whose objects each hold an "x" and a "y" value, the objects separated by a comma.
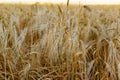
[{"x": 59, "y": 42}]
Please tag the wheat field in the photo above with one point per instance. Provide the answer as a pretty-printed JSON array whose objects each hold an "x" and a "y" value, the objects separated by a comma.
[{"x": 59, "y": 42}]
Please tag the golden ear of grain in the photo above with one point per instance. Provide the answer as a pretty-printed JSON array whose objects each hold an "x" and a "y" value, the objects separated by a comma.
[
  {"x": 90, "y": 66},
  {"x": 60, "y": 10},
  {"x": 67, "y": 2},
  {"x": 22, "y": 36},
  {"x": 87, "y": 7}
]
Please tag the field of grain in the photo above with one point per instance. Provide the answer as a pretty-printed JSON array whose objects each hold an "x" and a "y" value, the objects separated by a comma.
[{"x": 59, "y": 42}]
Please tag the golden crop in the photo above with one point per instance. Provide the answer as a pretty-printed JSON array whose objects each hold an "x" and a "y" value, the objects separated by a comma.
[{"x": 59, "y": 42}]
